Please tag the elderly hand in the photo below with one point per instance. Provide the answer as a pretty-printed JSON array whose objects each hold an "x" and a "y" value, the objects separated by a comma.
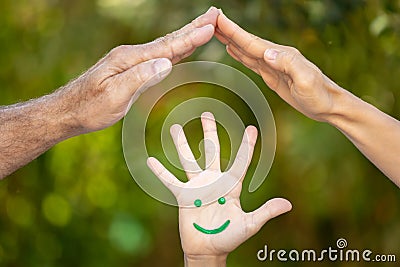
[
  {"x": 103, "y": 95},
  {"x": 98, "y": 98}
]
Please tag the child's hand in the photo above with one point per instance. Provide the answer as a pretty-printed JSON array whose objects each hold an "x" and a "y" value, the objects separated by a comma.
[{"x": 213, "y": 225}]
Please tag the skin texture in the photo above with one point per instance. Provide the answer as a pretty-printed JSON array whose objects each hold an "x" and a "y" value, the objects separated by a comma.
[
  {"x": 211, "y": 249},
  {"x": 98, "y": 98},
  {"x": 303, "y": 86}
]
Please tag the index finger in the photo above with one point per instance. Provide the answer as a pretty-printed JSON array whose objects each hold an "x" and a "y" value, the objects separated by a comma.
[
  {"x": 182, "y": 42},
  {"x": 174, "y": 46}
]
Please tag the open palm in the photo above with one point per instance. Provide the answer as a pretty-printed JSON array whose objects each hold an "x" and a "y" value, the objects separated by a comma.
[{"x": 211, "y": 220}]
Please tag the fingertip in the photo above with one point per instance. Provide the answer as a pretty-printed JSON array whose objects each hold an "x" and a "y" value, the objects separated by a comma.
[
  {"x": 163, "y": 66},
  {"x": 232, "y": 54},
  {"x": 271, "y": 209},
  {"x": 290, "y": 206},
  {"x": 281, "y": 206},
  {"x": 252, "y": 129},
  {"x": 228, "y": 49},
  {"x": 286, "y": 204},
  {"x": 150, "y": 162},
  {"x": 211, "y": 9},
  {"x": 175, "y": 128},
  {"x": 209, "y": 17},
  {"x": 164, "y": 62},
  {"x": 207, "y": 115},
  {"x": 251, "y": 133}
]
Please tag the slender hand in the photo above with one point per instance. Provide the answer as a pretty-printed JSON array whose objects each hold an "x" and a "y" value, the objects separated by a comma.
[
  {"x": 98, "y": 98},
  {"x": 213, "y": 225},
  {"x": 302, "y": 85}
]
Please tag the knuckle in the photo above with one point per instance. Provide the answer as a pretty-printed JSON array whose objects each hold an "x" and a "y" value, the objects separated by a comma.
[
  {"x": 165, "y": 45},
  {"x": 119, "y": 51},
  {"x": 123, "y": 48},
  {"x": 294, "y": 50},
  {"x": 144, "y": 52},
  {"x": 291, "y": 55},
  {"x": 309, "y": 79},
  {"x": 163, "y": 41}
]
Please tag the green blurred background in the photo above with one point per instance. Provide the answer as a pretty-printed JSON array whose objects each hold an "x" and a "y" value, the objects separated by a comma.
[{"x": 77, "y": 204}]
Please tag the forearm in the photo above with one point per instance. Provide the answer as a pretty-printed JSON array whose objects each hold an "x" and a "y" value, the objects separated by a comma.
[
  {"x": 374, "y": 133},
  {"x": 30, "y": 128},
  {"x": 205, "y": 260}
]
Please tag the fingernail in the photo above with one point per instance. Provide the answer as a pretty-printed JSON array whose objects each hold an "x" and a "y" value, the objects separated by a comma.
[
  {"x": 208, "y": 26},
  {"x": 271, "y": 54},
  {"x": 202, "y": 30},
  {"x": 162, "y": 65}
]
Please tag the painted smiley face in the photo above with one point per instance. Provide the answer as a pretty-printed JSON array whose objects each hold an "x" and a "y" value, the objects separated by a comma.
[{"x": 221, "y": 201}]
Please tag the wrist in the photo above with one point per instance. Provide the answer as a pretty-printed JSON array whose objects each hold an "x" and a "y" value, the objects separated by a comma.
[
  {"x": 205, "y": 260},
  {"x": 31, "y": 128},
  {"x": 62, "y": 113},
  {"x": 351, "y": 115},
  {"x": 72, "y": 100},
  {"x": 342, "y": 104}
]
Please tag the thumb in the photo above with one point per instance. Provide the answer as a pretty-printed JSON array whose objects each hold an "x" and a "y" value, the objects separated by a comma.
[
  {"x": 271, "y": 209},
  {"x": 144, "y": 75},
  {"x": 290, "y": 61}
]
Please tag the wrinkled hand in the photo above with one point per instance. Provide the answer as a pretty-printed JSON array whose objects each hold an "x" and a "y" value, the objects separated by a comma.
[
  {"x": 212, "y": 224},
  {"x": 284, "y": 69},
  {"x": 103, "y": 95}
]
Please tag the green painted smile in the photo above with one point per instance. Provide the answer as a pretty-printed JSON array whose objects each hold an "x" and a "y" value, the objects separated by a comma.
[{"x": 212, "y": 231}]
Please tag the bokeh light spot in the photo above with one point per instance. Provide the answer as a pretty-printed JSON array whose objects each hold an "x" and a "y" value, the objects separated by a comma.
[
  {"x": 56, "y": 210},
  {"x": 128, "y": 234}
]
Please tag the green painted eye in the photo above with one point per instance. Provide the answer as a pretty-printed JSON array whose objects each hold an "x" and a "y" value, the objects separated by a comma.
[
  {"x": 221, "y": 200},
  {"x": 197, "y": 202}
]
